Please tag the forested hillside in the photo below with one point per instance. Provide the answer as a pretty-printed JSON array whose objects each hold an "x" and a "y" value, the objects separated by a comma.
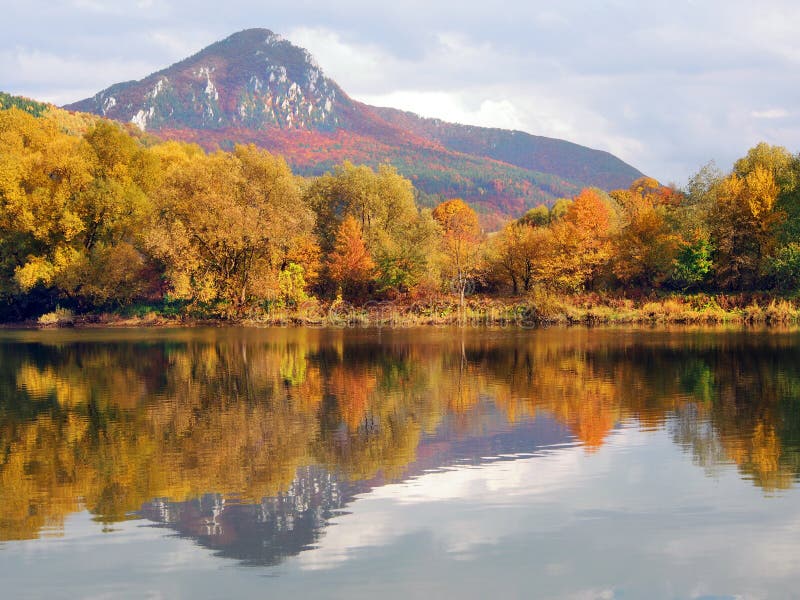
[
  {"x": 97, "y": 216},
  {"x": 256, "y": 87}
]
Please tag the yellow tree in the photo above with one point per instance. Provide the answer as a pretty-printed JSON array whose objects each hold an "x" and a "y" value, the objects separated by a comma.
[
  {"x": 73, "y": 206},
  {"x": 225, "y": 225},
  {"x": 743, "y": 221},
  {"x": 777, "y": 160},
  {"x": 536, "y": 217},
  {"x": 398, "y": 236},
  {"x": 646, "y": 246},
  {"x": 381, "y": 201},
  {"x": 521, "y": 254},
  {"x": 460, "y": 243}
]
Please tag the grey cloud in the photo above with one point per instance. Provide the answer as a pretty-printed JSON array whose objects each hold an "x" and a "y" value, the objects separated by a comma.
[{"x": 667, "y": 84}]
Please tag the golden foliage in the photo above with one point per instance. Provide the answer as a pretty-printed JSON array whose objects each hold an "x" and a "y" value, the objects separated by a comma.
[
  {"x": 108, "y": 427},
  {"x": 646, "y": 246},
  {"x": 227, "y": 225},
  {"x": 460, "y": 242},
  {"x": 582, "y": 241}
]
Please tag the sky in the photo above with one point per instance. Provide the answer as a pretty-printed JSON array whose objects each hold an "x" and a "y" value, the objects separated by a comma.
[{"x": 665, "y": 85}]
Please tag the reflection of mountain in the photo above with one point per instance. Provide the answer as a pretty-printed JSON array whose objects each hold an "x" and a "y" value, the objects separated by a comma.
[
  {"x": 258, "y": 534},
  {"x": 108, "y": 421},
  {"x": 286, "y": 524}
]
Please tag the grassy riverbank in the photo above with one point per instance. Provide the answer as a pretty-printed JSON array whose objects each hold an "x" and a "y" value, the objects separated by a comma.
[{"x": 534, "y": 310}]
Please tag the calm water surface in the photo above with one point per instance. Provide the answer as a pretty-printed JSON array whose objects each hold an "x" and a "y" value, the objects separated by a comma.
[{"x": 415, "y": 463}]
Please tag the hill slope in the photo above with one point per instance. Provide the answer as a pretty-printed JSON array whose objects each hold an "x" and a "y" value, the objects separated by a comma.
[
  {"x": 548, "y": 155},
  {"x": 256, "y": 87}
]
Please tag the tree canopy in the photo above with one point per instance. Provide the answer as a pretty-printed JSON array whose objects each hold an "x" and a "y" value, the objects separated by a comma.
[{"x": 95, "y": 216}]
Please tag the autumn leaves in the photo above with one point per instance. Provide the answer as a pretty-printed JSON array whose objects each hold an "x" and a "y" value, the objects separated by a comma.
[
  {"x": 97, "y": 217},
  {"x": 736, "y": 232}
]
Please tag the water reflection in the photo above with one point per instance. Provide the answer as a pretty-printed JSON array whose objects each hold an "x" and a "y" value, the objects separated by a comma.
[
  {"x": 249, "y": 441},
  {"x": 262, "y": 533}
]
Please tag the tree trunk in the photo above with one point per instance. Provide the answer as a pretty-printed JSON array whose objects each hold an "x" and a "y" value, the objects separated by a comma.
[{"x": 461, "y": 309}]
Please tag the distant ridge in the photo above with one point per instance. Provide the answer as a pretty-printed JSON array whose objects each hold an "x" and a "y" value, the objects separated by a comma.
[
  {"x": 37, "y": 109},
  {"x": 256, "y": 87}
]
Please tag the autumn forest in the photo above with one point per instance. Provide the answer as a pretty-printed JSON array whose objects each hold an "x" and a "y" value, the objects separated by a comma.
[{"x": 99, "y": 217}]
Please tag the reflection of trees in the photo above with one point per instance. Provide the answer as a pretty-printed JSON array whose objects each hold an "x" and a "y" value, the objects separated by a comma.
[
  {"x": 110, "y": 426},
  {"x": 751, "y": 406},
  {"x": 727, "y": 397}
]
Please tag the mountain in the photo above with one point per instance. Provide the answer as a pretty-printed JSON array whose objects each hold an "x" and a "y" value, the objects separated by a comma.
[
  {"x": 548, "y": 155},
  {"x": 256, "y": 87},
  {"x": 253, "y": 79}
]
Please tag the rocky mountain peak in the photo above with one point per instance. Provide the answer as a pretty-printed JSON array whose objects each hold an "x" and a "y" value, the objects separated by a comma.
[{"x": 252, "y": 79}]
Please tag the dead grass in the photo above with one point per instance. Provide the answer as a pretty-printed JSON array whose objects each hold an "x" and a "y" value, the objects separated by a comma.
[{"x": 539, "y": 308}]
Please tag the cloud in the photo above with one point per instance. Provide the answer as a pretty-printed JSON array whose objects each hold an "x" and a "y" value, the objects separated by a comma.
[
  {"x": 150, "y": 8},
  {"x": 383, "y": 516},
  {"x": 64, "y": 78},
  {"x": 643, "y": 94},
  {"x": 430, "y": 502},
  {"x": 667, "y": 85},
  {"x": 359, "y": 66},
  {"x": 579, "y": 525},
  {"x": 452, "y": 107},
  {"x": 771, "y": 113},
  {"x": 471, "y": 83}
]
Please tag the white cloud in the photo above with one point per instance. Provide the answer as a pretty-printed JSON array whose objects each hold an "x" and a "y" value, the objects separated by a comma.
[
  {"x": 451, "y": 106},
  {"x": 61, "y": 79},
  {"x": 771, "y": 113},
  {"x": 354, "y": 67},
  {"x": 592, "y": 594},
  {"x": 665, "y": 85},
  {"x": 470, "y": 83},
  {"x": 140, "y": 8},
  {"x": 94, "y": 6}
]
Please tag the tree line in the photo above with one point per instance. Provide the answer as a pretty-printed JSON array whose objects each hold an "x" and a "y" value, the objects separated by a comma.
[{"x": 96, "y": 216}]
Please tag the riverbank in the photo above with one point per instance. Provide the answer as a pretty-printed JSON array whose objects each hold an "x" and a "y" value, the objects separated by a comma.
[{"x": 536, "y": 310}]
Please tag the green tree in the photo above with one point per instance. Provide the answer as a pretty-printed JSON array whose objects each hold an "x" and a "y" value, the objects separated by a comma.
[
  {"x": 693, "y": 264},
  {"x": 399, "y": 238},
  {"x": 538, "y": 216}
]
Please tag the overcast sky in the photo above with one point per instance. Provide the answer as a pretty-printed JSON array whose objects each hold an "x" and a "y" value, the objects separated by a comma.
[{"x": 664, "y": 85}]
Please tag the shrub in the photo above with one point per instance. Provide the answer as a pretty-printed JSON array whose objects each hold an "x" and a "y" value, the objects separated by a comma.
[
  {"x": 784, "y": 268},
  {"x": 59, "y": 317}
]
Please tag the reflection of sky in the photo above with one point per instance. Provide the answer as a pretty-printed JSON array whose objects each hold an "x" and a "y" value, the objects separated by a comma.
[
  {"x": 563, "y": 523},
  {"x": 266, "y": 534}
]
